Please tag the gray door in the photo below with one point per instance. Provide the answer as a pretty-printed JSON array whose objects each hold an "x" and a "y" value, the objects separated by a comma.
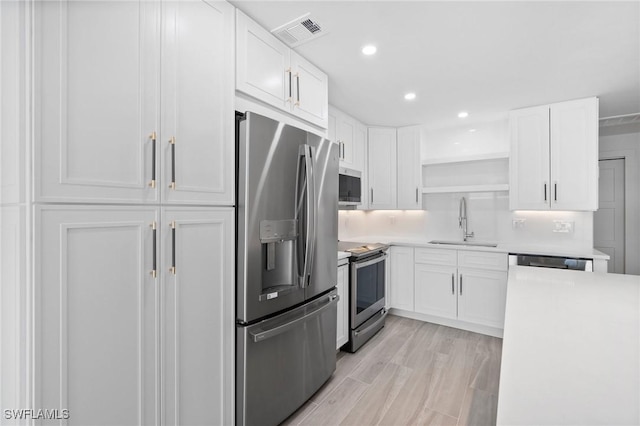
[
  {"x": 324, "y": 262},
  {"x": 284, "y": 360},
  {"x": 268, "y": 278}
]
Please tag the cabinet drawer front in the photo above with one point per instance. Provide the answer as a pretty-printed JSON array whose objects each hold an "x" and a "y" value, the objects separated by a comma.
[
  {"x": 436, "y": 256},
  {"x": 482, "y": 260}
]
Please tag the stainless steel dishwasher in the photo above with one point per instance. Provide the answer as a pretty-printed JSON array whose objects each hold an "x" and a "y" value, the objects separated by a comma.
[{"x": 556, "y": 262}]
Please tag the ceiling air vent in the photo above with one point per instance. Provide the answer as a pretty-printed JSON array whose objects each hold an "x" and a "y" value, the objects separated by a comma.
[{"x": 299, "y": 31}]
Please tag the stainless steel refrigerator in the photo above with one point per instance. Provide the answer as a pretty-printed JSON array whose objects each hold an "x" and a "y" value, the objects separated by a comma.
[{"x": 286, "y": 267}]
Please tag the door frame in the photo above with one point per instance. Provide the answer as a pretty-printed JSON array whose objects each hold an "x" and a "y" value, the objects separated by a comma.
[{"x": 631, "y": 206}]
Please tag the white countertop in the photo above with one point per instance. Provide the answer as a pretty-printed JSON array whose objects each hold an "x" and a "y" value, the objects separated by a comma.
[
  {"x": 571, "y": 349},
  {"x": 501, "y": 247}
]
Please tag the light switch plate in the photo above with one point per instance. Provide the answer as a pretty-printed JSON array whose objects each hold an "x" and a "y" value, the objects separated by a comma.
[
  {"x": 518, "y": 223},
  {"x": 562, "y": 226}
]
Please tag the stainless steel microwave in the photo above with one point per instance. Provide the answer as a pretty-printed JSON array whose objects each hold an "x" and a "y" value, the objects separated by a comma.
[{"x": 350, "y": 187}]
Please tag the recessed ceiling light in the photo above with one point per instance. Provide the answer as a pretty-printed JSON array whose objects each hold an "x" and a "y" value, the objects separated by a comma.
[
  {"x": 410, "y": 96},
  {"x": 369, "y": 49},
  {"x": 463, "y": 114},
  {"x": 472, "y": 130}
]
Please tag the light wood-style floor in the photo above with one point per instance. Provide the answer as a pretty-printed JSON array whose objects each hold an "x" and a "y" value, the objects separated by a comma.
[{"x": 411, "y": 373}]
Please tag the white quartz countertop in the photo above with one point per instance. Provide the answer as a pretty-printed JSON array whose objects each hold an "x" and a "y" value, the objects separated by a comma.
[
  {"x": 343, "y": 255},
  {"x": 571, "y": 349},
  {"x": 501, "y": 247}
]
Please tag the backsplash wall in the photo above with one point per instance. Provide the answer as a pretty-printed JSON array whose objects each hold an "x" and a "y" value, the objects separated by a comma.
[{"x": 488, "y": 215}]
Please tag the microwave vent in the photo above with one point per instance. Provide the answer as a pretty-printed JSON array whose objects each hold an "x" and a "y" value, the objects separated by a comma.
[{"x": 301, "y": 30}]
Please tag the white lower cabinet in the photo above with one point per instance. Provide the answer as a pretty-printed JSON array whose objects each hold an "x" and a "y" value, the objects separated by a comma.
[
  {"x": 458, "y": 288},
  {"x": 342, "y": 335},
  {"x": 435, "y": 290},
  {"x": 104, "y": 319},
  {"x": 198, "y": 293},
  {"x": 401, "y": 288},
  {"x": 482, "y": 296}
]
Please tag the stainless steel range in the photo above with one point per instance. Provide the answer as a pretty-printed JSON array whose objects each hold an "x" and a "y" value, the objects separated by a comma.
[{"x": 366, "y": 291}]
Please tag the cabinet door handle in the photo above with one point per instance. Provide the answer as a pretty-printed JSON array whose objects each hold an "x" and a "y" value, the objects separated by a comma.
[
  {"x": 152, "y": 136},
  {"x": 371, "y": 195},
  {"x": 298, "y": 89},
  {"x": 154, "y": 270},
  {"x": 288, "y": 71},
  {"x": 555, "y": 192},
  {"x": 453, "y": 289},
  {"x": 172, "y": 269},
  {"x": 545, "y": 191},
  {"x": 460, "y": 284},
  {"x": 172, "y": 142},
  {"x": 340, "y": 150},
  {"x": 416, "y": 195}
]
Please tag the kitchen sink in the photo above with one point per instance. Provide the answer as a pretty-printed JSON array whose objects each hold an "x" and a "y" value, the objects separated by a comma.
[{"x": 464, "y": 243}]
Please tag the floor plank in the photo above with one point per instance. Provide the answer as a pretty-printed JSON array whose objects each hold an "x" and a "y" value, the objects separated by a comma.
[{"x": 411, "y": 373}]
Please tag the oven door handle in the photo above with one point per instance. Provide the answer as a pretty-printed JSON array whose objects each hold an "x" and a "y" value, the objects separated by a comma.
[
  {"x": 383, "y": 314},
  {"x": 376, "y": 259}
]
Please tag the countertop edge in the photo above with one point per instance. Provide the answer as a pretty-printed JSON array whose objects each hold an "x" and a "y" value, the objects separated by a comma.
[{"x": 501, "y": 247}]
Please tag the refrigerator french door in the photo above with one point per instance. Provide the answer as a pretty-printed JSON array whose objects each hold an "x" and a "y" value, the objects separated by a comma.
[{"x": 286, "y": 267}]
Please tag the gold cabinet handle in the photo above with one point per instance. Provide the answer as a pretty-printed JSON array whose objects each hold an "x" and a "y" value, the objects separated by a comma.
[
  {"x": 172, "y": 142},
  {"x": 154, "y": 270},
  {"x": 172, "y": 269},
  {"x": 152, "y": 137}
]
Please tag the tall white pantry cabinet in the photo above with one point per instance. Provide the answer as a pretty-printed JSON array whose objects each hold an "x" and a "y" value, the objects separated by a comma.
[{"x": 128, "y": 185}]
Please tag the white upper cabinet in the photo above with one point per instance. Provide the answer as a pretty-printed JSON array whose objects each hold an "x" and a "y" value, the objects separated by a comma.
[
  {"x": 97, "y": 93},
  {"x": 262, "y": 63},
  {"x": 310, "y": 91},
  {"x": 360, "y": 162},
  {"x": 554, "y": 156},
  {"x": 345, "y": 136},
  {"x": 382, "y": 168},
  {"x": 197, "y": 143},
  {"x": 101, "y": 127},
  {"x": 574, "y": 155},
  {"x": 409, "y": 169},
  {"x": 351, "y": 137},
  {"x": 268, "y": 70}
]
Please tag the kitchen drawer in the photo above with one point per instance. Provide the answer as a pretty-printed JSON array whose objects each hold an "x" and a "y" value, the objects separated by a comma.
[
  {"x": 436, "y": 256},
  {"x": 482, "y": 260}
]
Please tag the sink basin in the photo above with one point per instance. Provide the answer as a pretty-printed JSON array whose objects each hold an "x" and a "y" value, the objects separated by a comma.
[{"x": 464, "y": 243}]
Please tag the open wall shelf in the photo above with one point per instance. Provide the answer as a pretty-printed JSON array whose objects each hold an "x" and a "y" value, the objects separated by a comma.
[{"x": 477, "y": 173}]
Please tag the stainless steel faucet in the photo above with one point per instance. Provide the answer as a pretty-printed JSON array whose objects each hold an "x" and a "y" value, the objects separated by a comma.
[{"x": 462, "y": 219}]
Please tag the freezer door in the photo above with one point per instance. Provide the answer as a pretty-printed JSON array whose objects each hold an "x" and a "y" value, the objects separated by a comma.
[
  {"x": 282, "y": 361},
  {"x": 325, "y": 169}
]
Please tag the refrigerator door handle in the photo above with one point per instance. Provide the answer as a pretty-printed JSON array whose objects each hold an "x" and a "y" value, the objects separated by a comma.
[
  {"x": 279, "y": 329},
  {"x": 309, "y": 233}
]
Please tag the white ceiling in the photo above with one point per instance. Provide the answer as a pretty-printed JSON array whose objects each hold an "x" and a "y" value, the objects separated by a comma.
[{"x": 482, "y": 57}]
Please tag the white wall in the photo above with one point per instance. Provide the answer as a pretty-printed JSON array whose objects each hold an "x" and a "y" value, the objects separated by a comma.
[{"x": 618, "y": 142}]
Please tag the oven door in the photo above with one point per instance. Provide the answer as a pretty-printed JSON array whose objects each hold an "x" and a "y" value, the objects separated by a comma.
[{"x": 367, "y": 288}]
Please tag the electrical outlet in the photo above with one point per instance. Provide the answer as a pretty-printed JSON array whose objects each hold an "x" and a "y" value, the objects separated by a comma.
[
  {"x": 392, "y": 220},
  {"x": 562, "y": 226},
  {"x": 518, "y": 223}
]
